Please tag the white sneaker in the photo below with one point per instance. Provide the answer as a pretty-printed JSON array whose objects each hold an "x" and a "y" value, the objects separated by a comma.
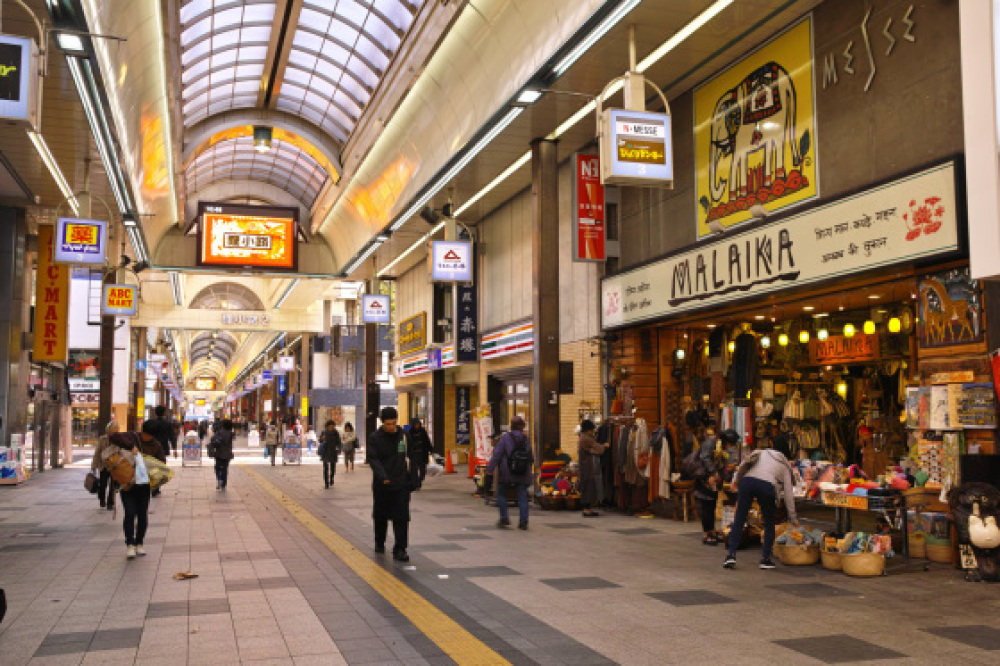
[
  {"x": 130, "y": 552},
  {"x": 140, "y": 551}
]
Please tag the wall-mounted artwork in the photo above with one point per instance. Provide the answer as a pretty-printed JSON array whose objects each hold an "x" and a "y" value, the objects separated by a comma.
[{"x": 951, "y": 310}]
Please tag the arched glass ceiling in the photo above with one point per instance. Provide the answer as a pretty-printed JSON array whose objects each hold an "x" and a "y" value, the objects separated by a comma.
[
  {"x": 226, "y": 296},
  {"x": 284, "y": 166},
  {"x": 223, "y": 54},
  {"x": 221, "y": 347},
  {"x": 340, "y": 51}
]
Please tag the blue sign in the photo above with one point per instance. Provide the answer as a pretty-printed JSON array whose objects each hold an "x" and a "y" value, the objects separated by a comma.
[
  {"x": 267, "y": 376},
  {"x": 282, "y": 384},
  {"x": 434, "y": 359},
  {"x": 80, "y": 241},
  {"x": 140, "y": 365},
  {"x": 463, "y": 415}
]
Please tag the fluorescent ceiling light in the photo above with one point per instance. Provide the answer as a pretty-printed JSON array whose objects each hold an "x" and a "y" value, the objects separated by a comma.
[
  {"x": 128, "y": 222},
  {"x": 529, "y": 96},
  {"x": 68, "y": 42},
  {"x": 284, "y": 296},
  {"x": 54, "y": 170},
  {"x": 419, "y": 243},
  {"x": 364, "y": 255},
  {"x": 602, "y": 29},
  {"x": 697, "y": 23},
  {"x": 382, "y": 238},
  {"x": 521, "y": 161},
  {"x": 177, "y": 288}
]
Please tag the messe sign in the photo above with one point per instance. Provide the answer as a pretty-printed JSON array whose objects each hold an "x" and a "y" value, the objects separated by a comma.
[
  {"x": 261, "y": 237},
  {"x": 901, "y": 222},
  {"x": 375, "y": 309},
  {"x": 80, "y": 241},
  {"x": 588, "y": 210},
  {"x": 120, "y": 300},
  {"x": 636, "y": 148},
  {"x": 451, "y": 261},
  {"x": 19, "y": 80},
  {"x": 51, "y": 302}
]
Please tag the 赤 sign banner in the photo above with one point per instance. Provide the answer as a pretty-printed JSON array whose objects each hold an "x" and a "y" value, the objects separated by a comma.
[
  {"x": 120, "y": 300},
  {"x": 463, "y": 415},
  {"x": 843, "y": 349},
  {"x": 755, "y": 133},
  {"x": 51, "y": 302},
  {"x": 413, "y": 334},
  {"x": 636, "y": 148},
  {"x": 247, "y": 236},
  {"x": 80, "y": 241},
  {"x": 588, "y": 210},
  {"x": 451, "y": 261},
  {"x": 375, "y": 309},
  {"x": 908, "y": 219}
]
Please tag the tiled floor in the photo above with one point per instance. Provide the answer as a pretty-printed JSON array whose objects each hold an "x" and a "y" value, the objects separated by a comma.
[{"x": 621, "y": 590}]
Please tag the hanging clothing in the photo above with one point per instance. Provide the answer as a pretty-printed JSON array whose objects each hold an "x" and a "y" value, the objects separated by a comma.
[
  {"x": 663, "y": 478},
  {"x": 642, "y": 450},
  {"x": 745, "y": 369}
]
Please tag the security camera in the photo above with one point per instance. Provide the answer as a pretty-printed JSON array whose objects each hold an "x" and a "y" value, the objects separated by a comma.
[
  {"x": 429, "y": 215},
  {"x": 140, "y": 267}
]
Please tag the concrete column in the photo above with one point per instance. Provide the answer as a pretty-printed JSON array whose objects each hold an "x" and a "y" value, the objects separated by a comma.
[
  {"x": 305, "y": 354},
  {"x": 139, "y": 384},
  {"x": 373, "y": 391},
  {"x": 15, "y": 282},
  {"x": 545, "y": 296}
]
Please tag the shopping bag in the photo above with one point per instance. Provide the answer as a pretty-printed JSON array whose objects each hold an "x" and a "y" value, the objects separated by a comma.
[
  {"x": 158, "y": 472},
  {"x": 90, "y": 483},
  {"x": 141, "y": 473}
]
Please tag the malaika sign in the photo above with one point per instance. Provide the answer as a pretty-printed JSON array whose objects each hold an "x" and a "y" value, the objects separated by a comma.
[
  {"x": 588, "y": 210},
  {"x": 451, "y": 261},
  {"x": 80, "y": 241},
  {"x": 375, "y": 309},
  {"x": 120, "y": 300}
]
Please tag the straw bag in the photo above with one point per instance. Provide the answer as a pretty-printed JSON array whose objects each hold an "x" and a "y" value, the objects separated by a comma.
[
  {"x": 797, "y": 555},
  {"x": 863, "y": 564}
]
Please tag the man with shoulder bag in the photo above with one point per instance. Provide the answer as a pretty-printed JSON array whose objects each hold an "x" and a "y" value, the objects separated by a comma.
[{"x": 514, "y": 459}]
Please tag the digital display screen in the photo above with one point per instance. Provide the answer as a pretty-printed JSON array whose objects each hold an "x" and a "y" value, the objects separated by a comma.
[{"x": 262, "y": 237}]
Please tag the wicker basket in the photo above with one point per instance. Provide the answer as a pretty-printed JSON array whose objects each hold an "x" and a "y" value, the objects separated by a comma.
[
  {"x": 937, "y": 552},
  {"x": 796, "y": 555},
  {"x": 863, "y": 564},
  {"x": 832, "y": 560},
  {"x": 551, "y": 502},
  {"x": 572, "y": 503},
  {"x": 918, "y": 545}
]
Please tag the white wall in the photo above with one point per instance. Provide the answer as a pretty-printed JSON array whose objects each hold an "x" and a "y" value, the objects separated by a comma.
[
  {"x": 81, "y": 335},
  {"x": 122, "y": 383},
  {"x": 414, "y": 293}
]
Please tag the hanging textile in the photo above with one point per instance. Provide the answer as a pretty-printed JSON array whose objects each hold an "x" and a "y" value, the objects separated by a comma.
[{"x": 663, "y": 478}]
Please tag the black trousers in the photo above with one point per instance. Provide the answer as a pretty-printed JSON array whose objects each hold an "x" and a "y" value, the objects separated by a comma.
[
  {"x": 329, "y": 471},
  {"x": 222, "y": 471},
  {"x": 392, "y": 506},
  {"x": 106, "y": 488},
  {"x": 421, "y": 472},
  {"x": 135, "y": 503},
  {"x": 708, "y": 513}
]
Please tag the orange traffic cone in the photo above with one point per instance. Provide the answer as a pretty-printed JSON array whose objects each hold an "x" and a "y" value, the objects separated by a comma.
[
  {"x": 448, "y": 467},
  {"x": 472, "y": 464}
]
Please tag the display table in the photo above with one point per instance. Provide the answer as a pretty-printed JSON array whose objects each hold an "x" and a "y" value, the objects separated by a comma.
[{"x": 843, "y": 504}]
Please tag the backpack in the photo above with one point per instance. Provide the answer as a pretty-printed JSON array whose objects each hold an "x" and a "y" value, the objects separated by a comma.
[
  {"x": 214, "y": 444},
  {"x": 693, "y": 467},
  {"x": 121, "y": 469},
  {"x": 519, "y": 460}
]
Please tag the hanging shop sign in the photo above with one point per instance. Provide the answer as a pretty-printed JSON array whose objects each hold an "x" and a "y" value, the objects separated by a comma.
[
  {"x": 51, "y": 302},
  {"x": 467, "y": 331},
  {"x": 121, "y": 300},
  {"x": 433, "y": 359},
  {"x": 463, "y": 415},
  {"x": 588, "y": 210},
  {"x": 375, "y": 309},
  {"x": 82, "y": 385},
  {"x": 267, "y": 376},
  {"x": 510, "y": 340},
  {"x": 636, "y": 148},
  {"x": 19, "y": 80},
  {"x": 204, "y": 384},
  {"x": 755, "y": 133},
  {"x": 841, "y": 349},
  {"x": 911, "y": 218},
  {"x": 286, "y": 363},
  {"x": 412, "y": 334},
  {"x": 261, "y": 237},
  {"x": 451, "y": 261},
  {"x": 80, "y": 241}
]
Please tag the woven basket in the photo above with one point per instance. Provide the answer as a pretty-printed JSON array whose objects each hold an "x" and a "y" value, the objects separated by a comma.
[
  {"x": 832, "y": 560},
  {"x": 918, "y": 545},
  {"x": 939, "y": 553},
  {"x": 796, "y": 555},
  {"x": 572, "y": 503},
  {"x": 863, "y": 564},
  {"x": 551, "y": 503}
]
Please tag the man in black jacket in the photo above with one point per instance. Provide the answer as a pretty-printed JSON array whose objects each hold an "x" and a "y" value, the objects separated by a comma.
[
  {"x": 420, "y": 447},
  {"x": 165, "y": 431},
  {"x": 391, "y": 483}
]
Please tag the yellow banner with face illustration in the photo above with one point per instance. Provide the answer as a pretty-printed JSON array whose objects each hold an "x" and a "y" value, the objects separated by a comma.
[{"x": 755, "y": 134}]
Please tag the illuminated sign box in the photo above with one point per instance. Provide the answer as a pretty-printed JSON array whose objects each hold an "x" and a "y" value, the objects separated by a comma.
[
  {"x": 19, "y": 80},
  {"x": 257, "y": 237},
  {"x": 375, "y": 309},
  {"x": 636, "y": 148},
  {"x": 204, "y": 384},
  {"x": 80, "y": 241},
  {"x": 121, "y": 300},
  {"x": 451, "y": 261}
]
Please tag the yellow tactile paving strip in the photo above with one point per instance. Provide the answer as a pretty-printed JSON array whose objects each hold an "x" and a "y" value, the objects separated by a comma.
[{"x": 447, "y": 634}]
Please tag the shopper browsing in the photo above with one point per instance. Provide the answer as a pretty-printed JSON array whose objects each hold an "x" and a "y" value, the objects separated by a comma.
[
  {"x": 591, "y": 475},
  {"x": 350, "y": 443}
]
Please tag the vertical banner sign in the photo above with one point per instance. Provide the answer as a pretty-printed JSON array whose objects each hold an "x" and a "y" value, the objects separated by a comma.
[
  {"x": 482, "y": 421},
  {"x": 588, "y": 210},
  {"x": 463, "y": 417},
  {"x": 51, "y": 302},
  {"x": 467, "y": 332}
]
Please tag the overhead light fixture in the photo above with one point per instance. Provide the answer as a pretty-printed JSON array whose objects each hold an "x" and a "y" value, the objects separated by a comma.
[
  {"x": 765, "y": 342},
  {"x": 529, "y": 96},
  {"x": 842, "y": 389},
  {"x": 849, "y": 330},
  {"x": 128, "y": 221},
  {"x": 869, "y": 327},
  {"x": 873, "y": 297},
  {"x": 382, "y": 238},
  {"x": 732, "y": 347},
  {"x": 822, "y": 334},
  {"x": 421, "y": 242},
  {"x": 783, "y": 340},
  {"x": 215, "y": 334},
  {"x": 288, "y": 292},
  {"x": 808, "y": 308},
  {"x": 680, "y": 354},
  {"x": 364, "y": 255},
  {"x": 57, "y": 175},
  {"x": 177, "y": 288},
  {"x": 711, "y": 325},
  {"x": 262, "y": 138},
  {"x": 759, "y": 317},
  {"x": 894, "y": 325},
  {"x": 593, "y": 36},
  {"x": 804, "y": 337},
  {"x": 70, "y": 42}
]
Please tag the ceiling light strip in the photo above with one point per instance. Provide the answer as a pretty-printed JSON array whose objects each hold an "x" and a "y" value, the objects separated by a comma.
[
  {"x": 364, "y": 255},
  {"x": 177, "y": 287},
  {"x": 423, "y": 240},
  {"x": 57, "y": 175},
  {"x": 521, "y": 161},
  {"x": 696, "y": 24},
  {"x": 288, "y": 292},
  {"x": 602, "y": 29}
]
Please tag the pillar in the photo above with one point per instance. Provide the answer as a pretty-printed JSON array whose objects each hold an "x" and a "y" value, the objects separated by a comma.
[
  {"x": 373, "y": 391},
  {"x": 106, "y": 362},
  {"x": 15, "y": 281},
  {"x": 545, "y": 296}
]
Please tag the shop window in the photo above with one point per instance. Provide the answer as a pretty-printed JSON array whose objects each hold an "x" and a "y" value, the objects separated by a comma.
[{"x": 565, "y": 377}]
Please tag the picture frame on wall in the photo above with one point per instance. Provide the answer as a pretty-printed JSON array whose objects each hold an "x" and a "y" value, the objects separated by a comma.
[{"x": 950, "y": 313}]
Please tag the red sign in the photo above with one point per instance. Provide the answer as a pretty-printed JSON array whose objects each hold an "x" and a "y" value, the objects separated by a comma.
[
  {"x": 588, "y": 216},
  {"x": 841, "y": 349}
]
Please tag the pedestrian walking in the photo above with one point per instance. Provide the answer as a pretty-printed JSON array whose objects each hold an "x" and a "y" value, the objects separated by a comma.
[
  {"x": 391, "y": 483},
  {"x": 329, "y": 450},
  {"x": 106, "y": 488},
  {"x": 272, "y": 439},
  {"x": 134, "y": 496},
  {"x": 349, "y": 441},
  {"x": 756, "y": 479},
  {"x": 591, "y": 476},
  {"x": 419, "y": 447},
  {"x": 514, "y": 460},
  {"x": 220, "y": 447}
]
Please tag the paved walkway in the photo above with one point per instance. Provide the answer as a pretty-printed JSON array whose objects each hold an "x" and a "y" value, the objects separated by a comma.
[{"x": 286, "y": 575}]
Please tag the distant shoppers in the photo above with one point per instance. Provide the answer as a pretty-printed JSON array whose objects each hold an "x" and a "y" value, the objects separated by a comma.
[
  {"x": 391, "y": 483},
  {"x": 514, "y": 459},
  {"x": 329, "y": 451},
  {"x": 105, "y": 484},
  {"x": 272, "y": 438},
  {"x": 756, "y": 479},
  {"x": 220, "y": 447},
  {"x": 419, "y": 448},
  {"x": 350, "y": 443},
  {"x": 591, "y": 480},
  {"x": 202, "y": 430}
]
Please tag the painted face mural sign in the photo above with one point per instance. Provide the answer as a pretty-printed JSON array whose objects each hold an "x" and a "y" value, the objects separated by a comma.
[
  {"x": 755, "y": 134},
  {"x": 875, "y": 228}
]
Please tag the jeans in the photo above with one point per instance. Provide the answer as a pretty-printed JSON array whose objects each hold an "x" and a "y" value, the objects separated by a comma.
[
  {"x": 349, "y": 458},
  {"x": 420, "y": 472},
  {"x": 329, "y": 471},
  {"x": 754, "y": 489},
  {"x": 135, "y": 503},
  {"x": 708, "y": 514},
  {"x": 106, "y": 488},
  {"x": 522, "y": 501},
  {"x": 222, "y": 471}
]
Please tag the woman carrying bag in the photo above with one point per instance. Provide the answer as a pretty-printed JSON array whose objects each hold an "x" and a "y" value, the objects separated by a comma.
[{"x": 134, "y": 495}]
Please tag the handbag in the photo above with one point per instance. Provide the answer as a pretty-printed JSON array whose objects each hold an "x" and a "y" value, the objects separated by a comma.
[
  {"x": 141, "y": 473},
  {"x": 90, "y": 483}
]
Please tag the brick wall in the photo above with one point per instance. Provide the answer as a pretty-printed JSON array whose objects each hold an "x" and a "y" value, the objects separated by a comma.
[{"x": 586, "y": 388}]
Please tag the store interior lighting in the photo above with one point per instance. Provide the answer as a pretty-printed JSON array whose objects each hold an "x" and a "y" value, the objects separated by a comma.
[
  {"x": 849, "y": 330},
  {"x": 783, "y": 339},
  {"x": 869, "y": 327}
]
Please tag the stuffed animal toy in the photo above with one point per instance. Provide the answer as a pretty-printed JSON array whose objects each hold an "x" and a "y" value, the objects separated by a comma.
[{"x": 976, "y": 508}]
